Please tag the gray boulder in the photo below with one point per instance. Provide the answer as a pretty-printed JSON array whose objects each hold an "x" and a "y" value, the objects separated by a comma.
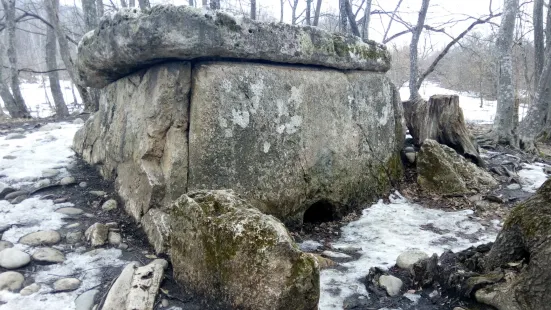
[
  {"x": 391, "y": 284},
  {"x": 441, "y": 170},
  {"x": 224, "y": 248},
  {"x": 97, "y": 234},
  {"x": 11, "y": 281},
  {"x": 45, "y": 237},
  {"x": 12, "y": 258},
  {"x": 131, "y": 39}
]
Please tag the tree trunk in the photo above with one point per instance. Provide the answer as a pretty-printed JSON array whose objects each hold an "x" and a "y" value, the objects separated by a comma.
[
  {"x": 441, "y": 119},
  {"x": 281, "y": 7},
  {"x": 21, "y": 109},
  {"x": 52, "y": 8},
  {"x": 99, "y": 7},
  {"x": 205, "y": 4},
  {"x": 90, "y": 13},
  {"x": 253, "y": 9},
  {"x": 317, "y": 13},
  {"x": 132, "y": 3},
  {"x": 123, "y": 4},
  {"x": 413, "y": 54},
  {"x": 538, "y": 40},
  {"x": 343, "y": 19},
  {"x": 308, "y": 12},
  {"x": 144, "y": 4},
  {"x": 215, "y": 4},
  {"x": 351, "y": 18},
  {"x": 503, "y": 128},
  {"x": 294, "y": 12},
  {"x": 367, "y": 19},
  {"x": 53, "y": 75}
]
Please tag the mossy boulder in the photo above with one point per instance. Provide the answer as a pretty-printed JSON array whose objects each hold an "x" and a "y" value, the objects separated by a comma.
[
  {"x": 238, "y": 257},
  {"x": 130, "y": 40},
  {"x": 442, "y": 171}
]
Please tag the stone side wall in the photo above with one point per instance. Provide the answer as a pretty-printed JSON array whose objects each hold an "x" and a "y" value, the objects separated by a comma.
[{"x": 283, "y": 137}]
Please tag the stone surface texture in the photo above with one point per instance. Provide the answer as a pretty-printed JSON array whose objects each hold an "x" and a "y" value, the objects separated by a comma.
[
  {"x": 129, "y": 40},
  {"x": 227, "y": 250}
]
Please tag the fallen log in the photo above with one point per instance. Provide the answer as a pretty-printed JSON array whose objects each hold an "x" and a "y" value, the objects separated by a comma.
[{"x": 441, "y": 119}]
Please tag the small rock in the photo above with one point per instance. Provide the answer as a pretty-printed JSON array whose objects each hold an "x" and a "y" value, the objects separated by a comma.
[
  {"x": 5, "y": 189},
  {"x": 46, "y": 237},
  {"x": 513, "y": 186},
  {"x": 42, "y": 183},
  {"x": 48, "y": 173},
  {"x": 392, "y": 284},
  {"x": 123, "y": 246},
  {"x": 407, "y": 259},
  {"x": 86, "y": 300},
  {"x": 68, "y": 181},
  {"x": 112, "y": 225},
  {"x": 13, "y": 136},
  {"x": 114, "y": 238},
  {"x": 335, "y": 254},
  {"x": 164, "y": 303},
  {"x": 11, "y": 281},
  {"x": 18, "y": 130},
  {"x": 9, "y": 157},
  {"x": 15, "y": 194},
  {"x": 73, "y": 237},
  {"x": 69, "y": 211},
  {"x": 78, "y": 121},
  {"x": 19, "y": 199},
  {"x": 29, "y": 290},
  {"x": 411, "y": 157},
  {"x": 60, "y": 200},
  {"x": 83, "y": 184},
  {"x": 109, "y": 205},
  {"x": 12, "y": 258},
  {"x": 98, "y": 193},
  {"x": 50, "y": 126},
  {"x": 48, "y": 255},
  {"x": 73, "y": 225},
  {"x": 150, "y": 256},
  {"x": 97, "y": 234},
  {"x": 5, "y": 245},
  {"x": 66, "y": 284}
]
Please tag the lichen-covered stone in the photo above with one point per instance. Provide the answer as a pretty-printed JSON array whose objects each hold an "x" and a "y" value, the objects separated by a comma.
[
  {"x": 225, "y": 249},
  {"x": 441, "y": 170},
  {"x": 283, "y": 137},
  {"x": 129, "y": 40}
]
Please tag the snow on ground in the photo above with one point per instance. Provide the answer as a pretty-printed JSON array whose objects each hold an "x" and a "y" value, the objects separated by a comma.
[
  {"x": 470, "y": 103},
  {"x": 385, "y": 230},
  {"x": 532, "y": 176},
  {"x": 39, "y": 98},
  {"x": 40, "y": 150}
]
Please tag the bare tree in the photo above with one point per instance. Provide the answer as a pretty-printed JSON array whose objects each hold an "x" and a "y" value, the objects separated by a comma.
[
  {"x": 205, "y": 4},
  {"x": 90, "y": 13},
  {"x": 503, "y": 131},
  {"x": 343, "y": 27},
  {"x": 308, "y": 12},
  {"x": 99, "y": 8},
  {"x": 132, "y": 3},
  {"x": 538, "y": 39},
  {"x": 317, "y": 13},
  {"x": 253, "y": 9},
  {"x": 294, "y": 6},
  {"x": 366, "y": 20},
  {"x": 281, "y": 7},
  {"x": 413, "y": 54},
  {"x": 215, "y": 4},
  {"x": 21, "y": 108},
  {"x": 53, "y": 74},
  {"x": 144, "y": 4},
  {"x": 351, "y": 18}
]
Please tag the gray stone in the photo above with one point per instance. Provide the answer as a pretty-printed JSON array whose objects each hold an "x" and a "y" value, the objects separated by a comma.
[
  {"x": 5, "y": 245},
  {"x": 12, "y": 258},
  {"x": 42, "y": 183},
  {"x": 13, "y": 136},
  {"x": 69, "y": 211},
  {"x": 83, "y": 184},
  {"x": 514, "y": 186},
  {"x": 109, "y": 205},
  {"x": 411, "y": 157},
  {"x": 48, "y": 173},
  {"x": 9, "y": 157},
  {"x": 392, "y": 284},
  {"x": 156, "y": 225},
  {"x": 98, "y": 193},
  {"x": 48, "y": 255},
  {"x": 407, "y": 259},
  {"x": 283, "y": 277},
  {"x": 122, "y": 43},
  {"x": 74, "y": 237},
  {"x": 15, "y": 194},
  {"x": 442, "y": 171},
  {"x": 19, "y": 199},
  {"x": 50, "y": 126},
  {"x": 68, "y": 181},
  {"x": 46, "y": 237},
  {"x": 5, "y": 190},
  {"x": 78, "y": 121},
  {"x": 282, "y": 136},
  {"x": 114, "y": 238},
  {"x": 30, "y": 289},
  {"x": 66, "y": 284},
  {"x": 73, "y": 225},
  {"x": 116, "y": 298},
  {"x": 97, "y": 234},
  {"x": 11, "y": 281},
  {"x": 145, "y": 285},
  {"x": 85, "y": 301}
]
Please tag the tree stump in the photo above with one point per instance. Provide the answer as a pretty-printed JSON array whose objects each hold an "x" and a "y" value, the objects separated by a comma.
[{"x": 441, "y": 119}]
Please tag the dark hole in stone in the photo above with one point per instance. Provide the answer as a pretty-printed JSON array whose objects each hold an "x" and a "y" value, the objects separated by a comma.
[{"x": 320, "y": 212}]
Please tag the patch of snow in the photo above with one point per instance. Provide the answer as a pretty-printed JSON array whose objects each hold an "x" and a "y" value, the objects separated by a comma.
[
  {"x": 532, "y": 176},
  {"x": 384, "y": 231}
]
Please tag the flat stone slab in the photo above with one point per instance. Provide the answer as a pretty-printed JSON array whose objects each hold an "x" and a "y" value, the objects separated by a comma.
[
  {"x": 46, "y": 237},
  {"x": 130, "y": 40},
  {"x": 69, "y": 211}
]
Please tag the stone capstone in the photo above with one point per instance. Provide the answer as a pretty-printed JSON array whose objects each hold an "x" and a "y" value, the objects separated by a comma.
[
  {"x": 129, "y": 40},
  {"x": 225, "y": 249},
  {"x": 441, "y": 170},
  {"x": 274, "y": 134}
]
